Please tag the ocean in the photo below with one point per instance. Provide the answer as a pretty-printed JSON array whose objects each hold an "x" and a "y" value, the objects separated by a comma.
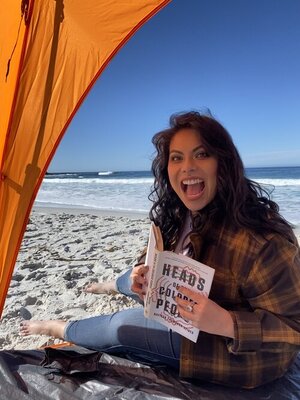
[{"x": 128, "y": 190}]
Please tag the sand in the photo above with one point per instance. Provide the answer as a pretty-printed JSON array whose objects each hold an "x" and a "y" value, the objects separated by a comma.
[{"x": 62, "y": 251}]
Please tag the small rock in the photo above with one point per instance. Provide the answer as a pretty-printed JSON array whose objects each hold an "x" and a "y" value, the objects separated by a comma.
[{"x": 25, "y": 313}]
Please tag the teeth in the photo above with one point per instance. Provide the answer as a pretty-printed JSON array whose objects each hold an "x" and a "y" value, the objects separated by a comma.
[{"x": 192, "y": 181}]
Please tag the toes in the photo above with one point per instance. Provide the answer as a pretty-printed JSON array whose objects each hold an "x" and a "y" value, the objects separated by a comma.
[
  {"x": 24, "y": 331},
  {"x": 88, "y": 287},
  {"x": 24, "y": 328}
]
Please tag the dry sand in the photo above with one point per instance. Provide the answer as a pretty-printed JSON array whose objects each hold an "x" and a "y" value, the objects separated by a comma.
[{"x": 61, "y": 252}]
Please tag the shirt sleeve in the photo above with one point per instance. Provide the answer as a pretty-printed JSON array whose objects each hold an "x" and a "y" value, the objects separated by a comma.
[{"x": 272, "y": 290}]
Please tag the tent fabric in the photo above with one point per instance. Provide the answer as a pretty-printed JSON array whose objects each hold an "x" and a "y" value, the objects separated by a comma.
[
  {"x": 77, "y": 373},
  {"x": 12, "y": 37},
  {"x": 55, "y": 50}
]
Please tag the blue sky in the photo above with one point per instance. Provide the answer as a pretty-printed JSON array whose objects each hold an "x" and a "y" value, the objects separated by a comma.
[{"x": 239, "y": 58}]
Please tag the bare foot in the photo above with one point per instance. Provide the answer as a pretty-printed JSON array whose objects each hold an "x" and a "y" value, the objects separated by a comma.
[
  {"x": 102, "y": 287},
  {"x": 50, "y": 328}
]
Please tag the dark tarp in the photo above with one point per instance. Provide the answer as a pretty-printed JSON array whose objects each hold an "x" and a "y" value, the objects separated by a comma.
[{"x": 75, "y": 373}]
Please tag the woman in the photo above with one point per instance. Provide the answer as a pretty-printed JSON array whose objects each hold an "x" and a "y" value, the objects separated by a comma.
[{"x": 207, "y": 208}]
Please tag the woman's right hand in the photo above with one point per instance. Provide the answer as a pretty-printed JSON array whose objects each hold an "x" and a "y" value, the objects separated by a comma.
[{"x": 138, "y": 280}]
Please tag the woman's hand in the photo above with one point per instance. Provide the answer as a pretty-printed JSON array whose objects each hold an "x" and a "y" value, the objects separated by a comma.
[
  {"x": 138, "y": 280},
  {"x": 204, "y": 313}
]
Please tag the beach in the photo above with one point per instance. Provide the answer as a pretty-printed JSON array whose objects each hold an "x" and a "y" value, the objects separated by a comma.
[{"x": 62, "y": 251}]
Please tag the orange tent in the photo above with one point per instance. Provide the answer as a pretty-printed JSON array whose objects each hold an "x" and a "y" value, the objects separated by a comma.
[{"x": 51, "y": 54}]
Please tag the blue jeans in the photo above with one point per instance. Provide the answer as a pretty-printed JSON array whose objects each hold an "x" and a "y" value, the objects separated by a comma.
[
  {"x": 123, "y": 284},
  {"x": 127, "y": 332}
]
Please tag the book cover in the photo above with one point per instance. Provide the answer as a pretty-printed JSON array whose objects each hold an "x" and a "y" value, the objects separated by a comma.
[{"x": 167, "y": 271}]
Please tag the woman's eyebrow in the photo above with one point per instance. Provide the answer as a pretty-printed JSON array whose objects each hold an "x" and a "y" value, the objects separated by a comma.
[
  {"x": 176, "y": 151},
  {"x": 181, "y": 152},
  {"x": 198, "y": 148}
]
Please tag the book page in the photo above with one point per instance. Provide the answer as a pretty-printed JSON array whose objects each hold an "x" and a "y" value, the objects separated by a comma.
[
  {"x": 155, "y": 242},
  {"x": 159, "y": 243},
  {"x": 152, "y": 245}
]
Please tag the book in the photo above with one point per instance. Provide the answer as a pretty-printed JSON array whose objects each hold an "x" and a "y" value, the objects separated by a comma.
[{"x": 168, "y": 271}]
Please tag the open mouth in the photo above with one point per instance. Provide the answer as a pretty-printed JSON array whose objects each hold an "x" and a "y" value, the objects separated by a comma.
[{"x": 193, "y": 187}]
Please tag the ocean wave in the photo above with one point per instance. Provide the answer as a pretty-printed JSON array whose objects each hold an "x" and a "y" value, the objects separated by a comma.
[
  {"x": 61, "y": 175},
  {"x": 138, "y": 181},
  {"x": 105, "y": 173},
  {"x": 117, "y": 181},
  {"x": 278, "y": 182}
]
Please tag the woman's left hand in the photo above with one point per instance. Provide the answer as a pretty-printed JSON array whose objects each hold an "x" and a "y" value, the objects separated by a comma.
[{"x": 204, "y": 313}]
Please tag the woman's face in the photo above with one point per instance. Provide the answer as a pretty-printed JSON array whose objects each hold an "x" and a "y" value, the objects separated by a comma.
[{"x": 192, "y": 171}]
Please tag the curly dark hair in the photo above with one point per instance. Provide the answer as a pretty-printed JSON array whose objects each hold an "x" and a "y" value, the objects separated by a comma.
[{"x": 239, "y": 201}]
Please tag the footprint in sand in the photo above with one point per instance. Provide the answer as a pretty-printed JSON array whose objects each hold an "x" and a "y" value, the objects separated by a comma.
[
  {"x": 36, "y": 276},
  {"x": 17, "y": 277},
  {"x": 32, "y": 266},
  {"x": 30, "y": 301}
]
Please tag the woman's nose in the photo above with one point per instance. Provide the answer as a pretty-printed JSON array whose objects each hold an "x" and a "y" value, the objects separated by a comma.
[{"x": 188, "y": 166}]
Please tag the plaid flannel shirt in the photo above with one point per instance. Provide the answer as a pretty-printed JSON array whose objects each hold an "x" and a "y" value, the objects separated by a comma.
[{"x": 258, "y": 280}]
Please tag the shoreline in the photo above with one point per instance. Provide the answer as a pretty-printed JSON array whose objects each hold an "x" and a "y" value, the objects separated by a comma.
[{"x": 77, "y": 210}]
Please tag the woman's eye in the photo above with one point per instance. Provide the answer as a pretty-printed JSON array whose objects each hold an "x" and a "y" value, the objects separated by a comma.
[
  {"x": 202, "y": 154},
  {"x": 175, "y": 158}
]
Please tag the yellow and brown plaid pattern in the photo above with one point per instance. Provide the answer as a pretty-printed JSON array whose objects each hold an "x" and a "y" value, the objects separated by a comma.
[{"x": 258, "y": 280}]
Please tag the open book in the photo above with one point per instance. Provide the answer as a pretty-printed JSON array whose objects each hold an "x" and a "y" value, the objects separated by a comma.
[{"x": 167, "y": 271}]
